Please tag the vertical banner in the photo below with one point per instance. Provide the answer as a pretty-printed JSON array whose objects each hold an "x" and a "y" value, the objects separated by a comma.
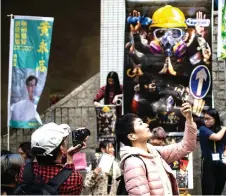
[
  {"x": 167, "y": 60},
  {"x": 30, "y": 40},
  {"x": 221, "y": 52},
  {"x": 106, "y": 117}
]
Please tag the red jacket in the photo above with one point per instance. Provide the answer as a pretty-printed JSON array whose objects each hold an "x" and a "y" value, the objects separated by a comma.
[{"x": 72, "y": 186}]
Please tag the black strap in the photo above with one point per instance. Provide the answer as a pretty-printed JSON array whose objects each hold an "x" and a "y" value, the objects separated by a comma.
[
  {"x": 55, "y": 182},
  {"x": 59, "y": 179},
  {"x": 28, "y": 175},
  {"x": 136, "y": 155}
]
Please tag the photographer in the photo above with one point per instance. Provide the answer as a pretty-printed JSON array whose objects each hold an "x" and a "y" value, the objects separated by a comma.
[
  {"x": 49, "y": 143},
  {"x": 151, "y": 174}
]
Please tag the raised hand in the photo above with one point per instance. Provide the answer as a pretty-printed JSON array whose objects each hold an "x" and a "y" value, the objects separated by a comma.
[
  {"x": 115, "y": 99},
  {"x": 96, "y": 103},
  {"x": 168, "y": 67},
  {"x": 134, "y": 21},
  {"x": 74, "y": 149},
  {"x": 186, "y": 111},
  {"x": 199, "y": 29}
]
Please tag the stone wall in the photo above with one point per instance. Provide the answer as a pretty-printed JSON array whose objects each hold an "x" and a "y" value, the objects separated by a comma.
[
  {"x": 219, "y": 76},
  {"x": 75, "y": 47},
  {"x": 77, "y": 108},
  {"x": 81, "y": 113}
]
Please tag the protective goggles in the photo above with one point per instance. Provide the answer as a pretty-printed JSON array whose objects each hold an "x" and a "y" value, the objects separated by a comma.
[{"x": 175, "y": 33}]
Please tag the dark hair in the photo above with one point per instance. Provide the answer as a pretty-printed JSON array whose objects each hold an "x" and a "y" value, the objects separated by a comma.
[
  {"x": 4, "y": 152},
  {"x": 104, "y": 144},
  {"x": 30, "y": 78},
  {"x": 124, "y": 126},
  {"x": 10, "y": 167},
  {"x": 26, "y": 148},
  {"x": 46, "y": 159},
  {"x": 214, "y": 113},
  {"x": 116, "y": 88},
  {"x": 96, "y": 158}
]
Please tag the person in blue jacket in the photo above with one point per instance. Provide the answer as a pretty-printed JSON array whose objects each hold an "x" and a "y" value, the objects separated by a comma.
[{"x": 212, "y": 142}]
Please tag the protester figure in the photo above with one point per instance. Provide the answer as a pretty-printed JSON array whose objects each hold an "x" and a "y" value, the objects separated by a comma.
[
  {"x": 159, "y": 137},
  {"x": 212, "y": 142},
  {"x": 25, "y": 151},
  {"x": 25, "y": 110},
  {"x": 48, "y": 144},
  {"x": 10, "y": 168},
  {"x": 134, "y": 134},
  {"x": 111, "y": 93},
  {"x": 99, "y": 182}
]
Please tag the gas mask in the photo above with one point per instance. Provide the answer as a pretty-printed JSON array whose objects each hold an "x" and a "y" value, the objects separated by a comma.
[{"x": 169, "y": 41}]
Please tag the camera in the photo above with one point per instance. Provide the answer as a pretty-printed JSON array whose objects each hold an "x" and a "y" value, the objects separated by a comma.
[
  {"x": 118, "y": 102},
  {"x": 79, "y": 135}
]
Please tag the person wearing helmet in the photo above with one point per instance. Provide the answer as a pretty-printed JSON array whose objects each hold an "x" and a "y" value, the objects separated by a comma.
[
  {"x": 167, "y": 49},
  {"x": 168, "y": 17},
  {"x": 171, "y": 36}
]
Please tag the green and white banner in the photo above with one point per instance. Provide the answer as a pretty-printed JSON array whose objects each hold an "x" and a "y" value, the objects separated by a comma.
[
  {"x": 221, "y": 52},
  {"x": 30, "y": 41}
]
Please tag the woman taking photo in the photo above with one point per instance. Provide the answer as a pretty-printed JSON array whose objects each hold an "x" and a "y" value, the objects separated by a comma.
[
  {"x": 212, "y": 142},
  {"x": 150, "y": 174}
]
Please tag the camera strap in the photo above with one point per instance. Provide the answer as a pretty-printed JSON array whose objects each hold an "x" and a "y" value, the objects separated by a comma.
[{"x": 214, "y": 147}]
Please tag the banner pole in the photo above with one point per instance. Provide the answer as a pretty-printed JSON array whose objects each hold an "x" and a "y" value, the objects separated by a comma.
[{"x": 10, "y": 76}]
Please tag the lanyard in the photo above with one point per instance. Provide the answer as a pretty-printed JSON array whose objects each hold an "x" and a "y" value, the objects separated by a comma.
[{"x": 214, "y": 147}]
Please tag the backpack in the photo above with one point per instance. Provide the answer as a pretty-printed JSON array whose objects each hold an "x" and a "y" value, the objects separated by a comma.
[
  {"x": 30, "y": 185},
  {"x": 121, "y": 190}
]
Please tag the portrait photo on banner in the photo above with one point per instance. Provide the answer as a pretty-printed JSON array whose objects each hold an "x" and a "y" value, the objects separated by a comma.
[{"x": 30, "y": 41}]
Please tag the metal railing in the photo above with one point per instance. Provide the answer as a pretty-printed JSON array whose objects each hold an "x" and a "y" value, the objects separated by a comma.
[{"x": 84, "y": 116}]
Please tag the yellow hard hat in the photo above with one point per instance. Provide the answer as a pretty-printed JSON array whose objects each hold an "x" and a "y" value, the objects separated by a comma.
[
  {"x": 168, "y": 17},
  {"x": 106, "y": 109}
]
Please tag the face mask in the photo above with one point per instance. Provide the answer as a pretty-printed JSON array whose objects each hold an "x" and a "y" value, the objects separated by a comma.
[{"x": 168, "y": 41}]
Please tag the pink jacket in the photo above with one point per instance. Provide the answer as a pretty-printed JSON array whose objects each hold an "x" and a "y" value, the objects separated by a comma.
[{"x": 157, "y": 166}]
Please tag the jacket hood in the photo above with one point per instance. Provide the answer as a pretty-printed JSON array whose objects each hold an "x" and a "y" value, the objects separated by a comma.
[{"x": 126, "y": 151}]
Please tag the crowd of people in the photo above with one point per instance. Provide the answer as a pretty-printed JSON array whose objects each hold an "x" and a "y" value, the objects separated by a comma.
[
  {"x": 43, "y": 157},
  {"x": 45, "y": 164}
]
